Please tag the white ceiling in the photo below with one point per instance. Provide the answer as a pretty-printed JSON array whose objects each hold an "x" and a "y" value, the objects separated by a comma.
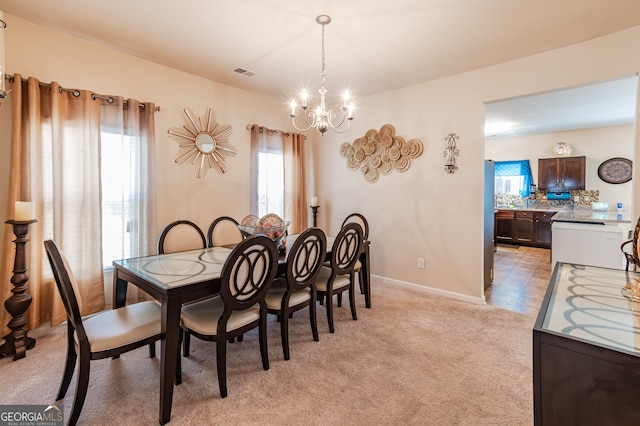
[
  {"x": 371, "y": 46},
  {"x": 602, "y": 104}
]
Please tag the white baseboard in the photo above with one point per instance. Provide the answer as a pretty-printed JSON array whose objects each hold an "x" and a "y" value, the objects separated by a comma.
[{"x": 431, "y": 290}]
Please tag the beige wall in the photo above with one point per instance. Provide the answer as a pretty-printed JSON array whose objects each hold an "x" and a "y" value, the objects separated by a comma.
[
  {"x": 597, "y": 145},
  {"x": 423, "y": 212},
  {"x": 426, "y": 212}
]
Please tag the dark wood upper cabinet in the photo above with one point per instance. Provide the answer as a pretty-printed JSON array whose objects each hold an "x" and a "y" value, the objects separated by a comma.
[{"x": 561, "y": 174}]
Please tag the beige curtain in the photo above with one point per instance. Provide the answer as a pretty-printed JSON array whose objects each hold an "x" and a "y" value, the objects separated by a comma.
[
  {"x": 55, "y": 163},
  {"x": 295, "y": 181}
]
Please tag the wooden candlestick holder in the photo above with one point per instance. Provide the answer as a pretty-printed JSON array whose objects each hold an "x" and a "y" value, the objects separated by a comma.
[
  {"x": 314, "y": 213},
  {"x": 18, "y": 342}
]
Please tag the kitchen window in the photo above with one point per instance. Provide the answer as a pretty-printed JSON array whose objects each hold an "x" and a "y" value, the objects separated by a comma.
[{"x": 513, "y": 177}]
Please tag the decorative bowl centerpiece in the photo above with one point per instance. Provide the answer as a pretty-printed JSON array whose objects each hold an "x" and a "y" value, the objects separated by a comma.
[{"x": 270, "y": 225}]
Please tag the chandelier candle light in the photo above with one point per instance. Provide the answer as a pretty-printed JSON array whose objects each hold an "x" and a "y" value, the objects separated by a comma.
[
  {"x": 320, "y": 117},
  {"x": 314, "y": 210}
]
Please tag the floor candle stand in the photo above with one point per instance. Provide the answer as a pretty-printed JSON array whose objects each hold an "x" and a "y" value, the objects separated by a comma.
[
  {"x": 314, "y": 212},
  {"x": 17, "y": 342}
]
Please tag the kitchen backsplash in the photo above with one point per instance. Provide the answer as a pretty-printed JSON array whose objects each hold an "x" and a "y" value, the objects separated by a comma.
[{"x": 585, "y": 198}]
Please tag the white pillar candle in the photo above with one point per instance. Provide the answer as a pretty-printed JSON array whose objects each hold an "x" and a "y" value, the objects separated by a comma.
[
  {"x": 314, "y": 201},
  {"x": 24, "y": 211}
]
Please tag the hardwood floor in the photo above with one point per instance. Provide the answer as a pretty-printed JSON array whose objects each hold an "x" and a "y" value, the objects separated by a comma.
[{"x": 520, "y": 278}]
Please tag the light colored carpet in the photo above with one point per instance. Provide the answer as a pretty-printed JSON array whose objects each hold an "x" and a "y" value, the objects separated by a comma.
[{"x": 413, "y": 358}]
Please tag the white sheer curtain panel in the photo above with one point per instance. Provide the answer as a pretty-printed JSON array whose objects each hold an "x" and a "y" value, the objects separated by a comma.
[
  {"x": 267, "y": 172},
  {"x": 129, "y": 225},
  {"x": 278, "y": 176}
]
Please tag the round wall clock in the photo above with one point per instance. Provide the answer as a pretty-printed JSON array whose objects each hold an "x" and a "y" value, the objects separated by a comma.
[{"x": 616, "y": 170}]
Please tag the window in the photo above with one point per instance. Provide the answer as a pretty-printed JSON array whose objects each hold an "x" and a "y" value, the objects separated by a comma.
[
  {"x": 119, "y": 171},
  {"x": 270, "y": 181},
  {"x": 513, "y": 177}
]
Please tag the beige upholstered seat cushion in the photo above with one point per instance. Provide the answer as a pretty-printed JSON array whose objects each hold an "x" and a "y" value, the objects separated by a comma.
[
  {"x": 277, "y": 290},
  {"x": 357, "y": 266},
  {"x": 202, "y": 317},
  {"x": 119, "y": 327},
  {"x": 323, "y": 276}
]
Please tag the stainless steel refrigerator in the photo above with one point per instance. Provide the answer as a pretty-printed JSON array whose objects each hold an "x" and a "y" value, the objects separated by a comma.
[{"x": 489, "y": 215}]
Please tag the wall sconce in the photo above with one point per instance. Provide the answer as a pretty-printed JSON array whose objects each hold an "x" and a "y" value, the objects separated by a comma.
[
  {"x": 450, "y": 153},
  {"x": 3, "y": 25}
]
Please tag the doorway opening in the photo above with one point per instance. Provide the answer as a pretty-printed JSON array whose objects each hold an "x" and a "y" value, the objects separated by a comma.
[{"x": 528, "y": 128}]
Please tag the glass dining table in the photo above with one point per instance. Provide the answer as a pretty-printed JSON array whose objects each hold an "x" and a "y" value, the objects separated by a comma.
[
  {"x": 172, "y": 279},
  {"x": 177, "y": 278}
]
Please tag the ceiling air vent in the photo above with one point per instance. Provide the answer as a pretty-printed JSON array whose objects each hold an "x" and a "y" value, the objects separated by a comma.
[{"x": 245, "y": 72}]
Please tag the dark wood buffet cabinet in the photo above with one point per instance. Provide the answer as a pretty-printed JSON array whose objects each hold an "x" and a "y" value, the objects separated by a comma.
[
  {"x": 523, "y": 227},
  {"x": 586, "y": 349}
]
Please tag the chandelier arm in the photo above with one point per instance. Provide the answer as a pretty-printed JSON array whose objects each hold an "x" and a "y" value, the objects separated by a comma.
[
  {"x": 293, "y": 121},
  {"x": 337, "y": 130},
  {"x": 332, "y": 115}
]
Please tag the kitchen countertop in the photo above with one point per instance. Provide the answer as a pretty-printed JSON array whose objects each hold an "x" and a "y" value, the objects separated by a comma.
[
  {"x": 608, "y": 217},
  {"x": 577, "y": 214}
]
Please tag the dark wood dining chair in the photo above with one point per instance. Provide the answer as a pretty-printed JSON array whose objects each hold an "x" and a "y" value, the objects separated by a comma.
[
  {"x": 180, "y": 235},
  {"x": 245, "y": 278},
  {"x": 339, "y": 276},
  {"x": 296, "y": 289},
  {"x": 631, "y": 249},
  {"x": 224, "y": 231},
  {"x": 104, "y": 335},
  {"x": 362, "y": 221}
]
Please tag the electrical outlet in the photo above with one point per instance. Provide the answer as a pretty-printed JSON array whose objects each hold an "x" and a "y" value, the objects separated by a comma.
[
  {"x": 586, "y": 198},
  {"x": 421, "y": 262}
]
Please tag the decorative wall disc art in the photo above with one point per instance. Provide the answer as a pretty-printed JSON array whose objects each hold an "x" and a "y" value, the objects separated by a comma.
[
  {"x": 616, "y": 170},
  {"x": 203, "y": 142},
  {"x": 380, "y": 152}
]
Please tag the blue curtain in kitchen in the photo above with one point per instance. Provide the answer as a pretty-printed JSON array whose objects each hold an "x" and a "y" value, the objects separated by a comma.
[{"x": 516, "y": 168}]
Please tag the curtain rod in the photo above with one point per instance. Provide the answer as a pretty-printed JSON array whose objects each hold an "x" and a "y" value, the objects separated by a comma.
[
  {"x": 75, "y": 92},
  {"x": 262, "y": 128}
]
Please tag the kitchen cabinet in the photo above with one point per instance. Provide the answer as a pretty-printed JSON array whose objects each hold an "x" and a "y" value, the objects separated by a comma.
[
  {"x": 523, "y": 227},
  {"x": 542, "y": 229},
  {"x": 561, "y": 174},
  {"x": 504, "y": 226}
]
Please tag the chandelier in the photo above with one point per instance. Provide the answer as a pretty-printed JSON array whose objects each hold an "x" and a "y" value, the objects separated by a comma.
[{"x": 319, "y": 117}]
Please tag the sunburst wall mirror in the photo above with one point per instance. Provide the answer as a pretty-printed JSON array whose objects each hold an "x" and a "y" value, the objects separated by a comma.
[{"x": 203, "y": 142}]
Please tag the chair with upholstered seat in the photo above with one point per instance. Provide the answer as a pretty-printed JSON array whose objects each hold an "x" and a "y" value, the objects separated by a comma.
[
  {"x": 296, "y": 289},
  {"x": 104, "y": 335},
  {"x": 245, "y": 278},
  {"x": 224, "y": 231},
  {"x": 631, "y": 250},
  {"x": 362, "y": 221},
  {"x": 339, "y": 276},
  {"x": 181, "y": 235}
]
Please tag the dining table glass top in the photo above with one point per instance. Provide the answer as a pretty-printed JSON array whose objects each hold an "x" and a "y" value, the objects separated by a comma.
[
  {"x": 172, "y": 270},
  {"x": 178, "y": 269},
  {"x": 595, "y": 305}
]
